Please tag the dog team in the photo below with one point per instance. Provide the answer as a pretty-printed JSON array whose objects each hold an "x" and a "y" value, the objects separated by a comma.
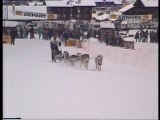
[{"x": 81, "y": 60}]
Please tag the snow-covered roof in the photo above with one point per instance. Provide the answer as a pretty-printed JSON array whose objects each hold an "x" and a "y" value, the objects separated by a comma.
[
  {"x": 115, "y": 1},
  {"x": 124, "y": 9},
  {"x": 66, "y": 3},
  {"x": 107, "y": 25},
  {"x": 150, "y": 3},
  {"x": 57, "y": 3},
  {"x": 85, "y": 3},
  {"x": 146, "y": 3},
  {"x": 31, "y": 9},
  {"x": 10, "y": 24},
  {"x": 36, "y": 9},
  {"x": 33, "y": 3}
]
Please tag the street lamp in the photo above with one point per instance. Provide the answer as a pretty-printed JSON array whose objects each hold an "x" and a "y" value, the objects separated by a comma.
[
  {"x": 78, "y": 1},
  {"x": 68, "y": 2}
]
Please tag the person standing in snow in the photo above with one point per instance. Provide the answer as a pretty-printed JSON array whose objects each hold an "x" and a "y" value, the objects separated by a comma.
[
  {"x": 137, "y": 36},
  {"x": 107, "y": 38},
  {"x": 54, "y": 43},
  {"x": 13, "y": 35},
  {"x": 21, "y": 33},
  {"x": 39, "y": 30},
  {"x": 32, "y": 33},
  {"x": 146, "y": 35}
]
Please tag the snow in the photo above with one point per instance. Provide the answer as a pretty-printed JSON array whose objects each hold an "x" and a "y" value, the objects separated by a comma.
[
  {"x": 35, "y": 9},
  {"x": 63, "y": 3},
  {"x": 58, "y": 3},
  {"x": 85, "y": 3},
  {"x": 128, "y": 7},
  {"x": 125, "y": 88},
  {"x": 35, "y": 2},
  {"x": 115, "y": 1},
  {"x": 150, "y": 3}
]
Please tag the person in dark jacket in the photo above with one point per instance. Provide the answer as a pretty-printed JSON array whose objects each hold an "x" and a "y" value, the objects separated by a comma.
[
  {"x": 13, "y": 36},
  {"x": 146, "y": 35},
  {"x": 32, "y": 33},
  {"x": 137, "y": 36},
  {"x": 107, "y": 38}
]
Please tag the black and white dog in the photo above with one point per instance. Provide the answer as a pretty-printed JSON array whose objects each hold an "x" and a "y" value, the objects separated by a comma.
[
  {"x": 85, "y": 60},
  {"x": 98, "y": 61},
  {"x": 78, "y": 58},
  {"x": 72, "y": 60},
  {"x": 59, "y": 56},
  {"x": 66, "y": 57}
]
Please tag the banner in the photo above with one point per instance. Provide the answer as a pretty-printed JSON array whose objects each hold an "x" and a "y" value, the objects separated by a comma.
[
  {"x": 31, "y": 14},
  {"x": 37, "y": 15},
  {"x": 143, "y": 18}
]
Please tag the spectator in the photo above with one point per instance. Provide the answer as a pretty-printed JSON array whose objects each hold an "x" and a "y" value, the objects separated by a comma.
[
  {"x": 107, "y": 38},
  {"x": 39, "y": 30},
  {"x": 13, "y": 36},
  {"x": 21, "y": 33},
  {"x": 116, "y": 38},
  {"x": 32, "y": 33},
  {"x": 146, "y": 35},
  {"x": 137, "y": 36},
  {"x": 156, "y": 36}
]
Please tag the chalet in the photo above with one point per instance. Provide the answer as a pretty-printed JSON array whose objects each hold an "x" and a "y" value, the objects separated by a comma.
[
  {"x": 142, "y": 7},
  {"x": 71, "y": 9}
]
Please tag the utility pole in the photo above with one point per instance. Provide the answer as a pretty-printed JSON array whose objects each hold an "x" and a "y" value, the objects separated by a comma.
[
  {"x": 71, "y": 9},
  {"x": 68, "y": 2},
  {"x": 79, "y": 1},
  {"x": 7, "y": 10}
]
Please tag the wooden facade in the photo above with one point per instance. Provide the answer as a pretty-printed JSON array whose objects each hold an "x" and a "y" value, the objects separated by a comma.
[
  {"x": 64, "y": 13},
  {"x": 140, "y": 9},
  {"x": 109, "y": 5}
]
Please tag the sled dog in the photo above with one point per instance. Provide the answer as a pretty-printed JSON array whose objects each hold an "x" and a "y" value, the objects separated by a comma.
[
  {"x": 98, "y": 61},
  {"x": 66, "y": 57},
  {"x": 85, "y": 60},
  {"x": 72, "y": 60},
  {"x": 78, "y": 58},
  {"x": 59, "y": 56}
]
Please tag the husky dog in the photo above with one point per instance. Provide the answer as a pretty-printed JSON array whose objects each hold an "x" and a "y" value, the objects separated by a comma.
[
  {"x": 98, "y": 62},
  {"x": 78, "y": 58},
  {"x": 66, "y": 57},
  {"x": 85, "y": 60},
  {"x": 72, "y": 60},
  {"x": 59, "y": 56}
]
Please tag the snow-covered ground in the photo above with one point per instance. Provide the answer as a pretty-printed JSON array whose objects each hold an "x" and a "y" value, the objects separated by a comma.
[{"x": 35, "y": 87}]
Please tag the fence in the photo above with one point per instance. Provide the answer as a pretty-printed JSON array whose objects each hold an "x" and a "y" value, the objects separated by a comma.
[{"x": 144, "y": 56}]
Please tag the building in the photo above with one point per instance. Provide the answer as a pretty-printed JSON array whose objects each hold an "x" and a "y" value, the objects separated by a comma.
[
  {"x": 142, "y": 7},
  {"x": 67, "y": 9}
]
